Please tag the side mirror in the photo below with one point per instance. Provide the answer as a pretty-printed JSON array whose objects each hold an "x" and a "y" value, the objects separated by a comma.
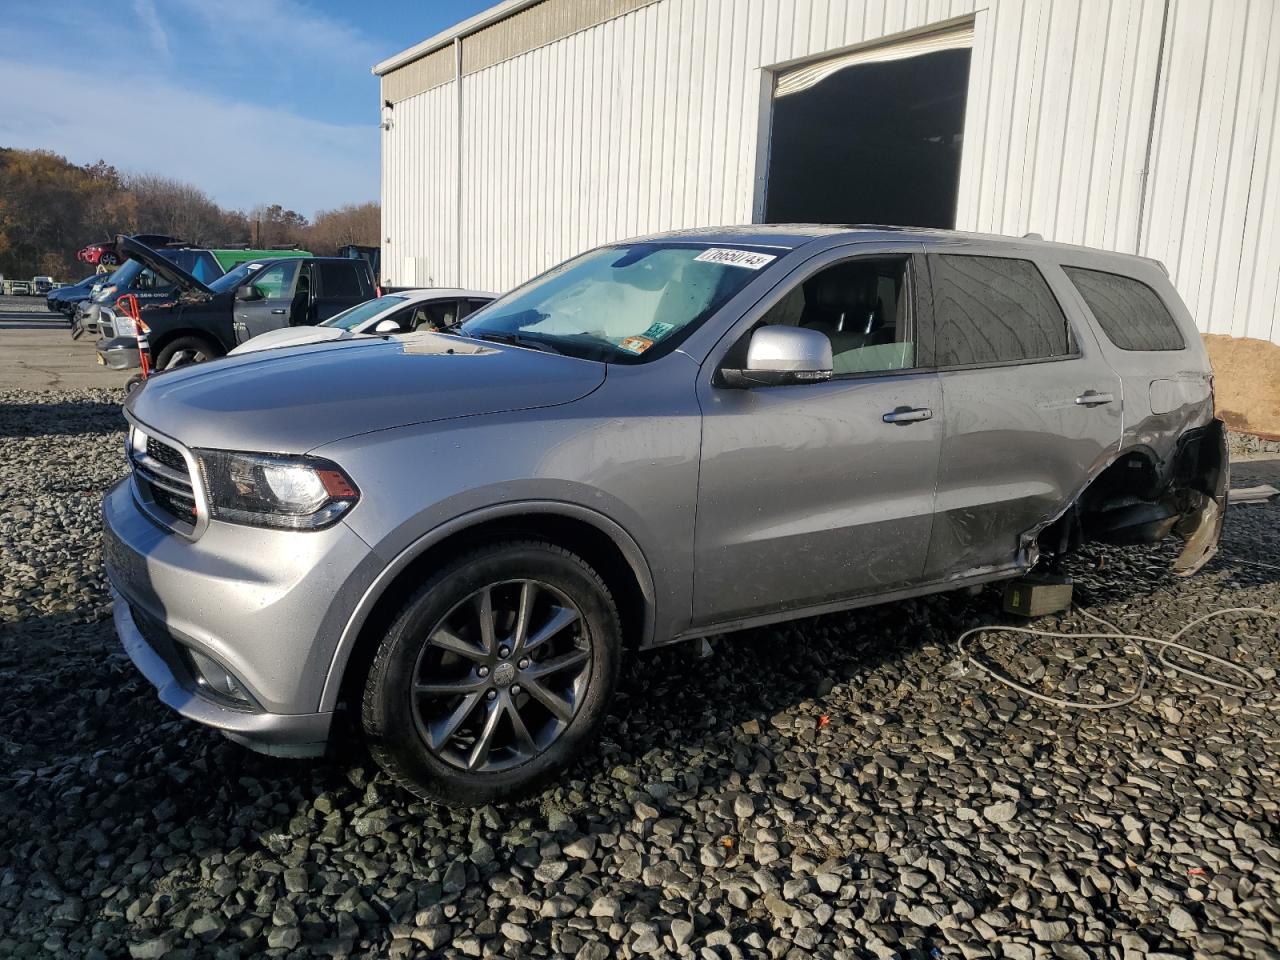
[
  {"x": 248, "y": 292},
  {"x": 778, "y": 356},
  {"x": 387, "y": 326}
]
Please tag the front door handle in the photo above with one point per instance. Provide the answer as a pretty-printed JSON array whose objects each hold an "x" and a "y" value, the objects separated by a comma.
[
  {"x": 1092, "y": 398},
  {"x": 280, "y": 311},
  {"x": 907, "y": 415}
]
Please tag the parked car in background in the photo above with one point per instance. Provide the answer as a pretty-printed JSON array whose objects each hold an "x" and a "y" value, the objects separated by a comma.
[
  {"x": 460, "y": 535},
  {"x": 105, "y": 253},
  {"x": 63, "y": 299},
  {"x": 201, "y": 320},
  {"x": 41, "y": 286},
  {"x": 19, "y": 288},
  {"x": 152, "y": 290},
  {"x": 431, "y": 309},
  {"x": 85, "y": 313}
]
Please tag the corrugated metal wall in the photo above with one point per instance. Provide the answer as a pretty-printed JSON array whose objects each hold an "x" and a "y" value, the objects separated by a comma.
[
  {"x": 651, "y": 121},
  {"x": 420, "y": 190},
  {"x": 1213, "y": 204}
]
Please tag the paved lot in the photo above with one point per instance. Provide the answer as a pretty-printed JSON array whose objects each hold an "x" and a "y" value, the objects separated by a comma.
[
  {"x": 37, "y": 352},
  {"x": 840, "y": 787}
]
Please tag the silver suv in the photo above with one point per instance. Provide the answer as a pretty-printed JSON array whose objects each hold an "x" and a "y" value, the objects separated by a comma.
[{"x": 457, "y": 536}]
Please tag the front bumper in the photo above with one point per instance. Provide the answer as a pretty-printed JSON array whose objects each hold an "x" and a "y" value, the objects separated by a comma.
[
  {"x": 267, "y": 605},
  {"x": 297, "y": 735},
  {"x": 119, "y": 353}
]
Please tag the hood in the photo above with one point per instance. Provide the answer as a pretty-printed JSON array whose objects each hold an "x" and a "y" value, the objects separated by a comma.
[
  {"x": 292, "y": 401},
  {"x": 293, "y": 337},
  {"x": 162, "y": 267}
]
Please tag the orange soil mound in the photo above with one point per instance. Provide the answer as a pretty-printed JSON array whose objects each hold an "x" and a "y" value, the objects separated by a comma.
[{"x": 1246, "y": 378}]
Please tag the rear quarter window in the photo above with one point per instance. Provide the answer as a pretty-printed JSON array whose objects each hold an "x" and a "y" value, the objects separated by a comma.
[
  {"x": 1130, "y": 313},
  {"x": 994, "y": 310}
]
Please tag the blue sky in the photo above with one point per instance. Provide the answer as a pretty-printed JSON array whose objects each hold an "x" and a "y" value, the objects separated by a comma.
[{"x": 269, "y": 101}]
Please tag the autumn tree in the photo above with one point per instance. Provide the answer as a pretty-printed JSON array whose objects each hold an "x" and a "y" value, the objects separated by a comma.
[
  {"x": 351, "y": 224},
  {"x": 50, "y": 208},
  {"x": 273, "y": 225}
]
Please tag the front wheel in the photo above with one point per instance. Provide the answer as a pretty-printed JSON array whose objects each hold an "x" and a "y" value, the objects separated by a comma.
[
  {"x": 495, "y": 674},
  {"x": 184, "y": 351}
]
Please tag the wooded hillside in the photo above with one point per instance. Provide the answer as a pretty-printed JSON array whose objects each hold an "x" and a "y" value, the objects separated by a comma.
[{"x": 50, "y": 208}]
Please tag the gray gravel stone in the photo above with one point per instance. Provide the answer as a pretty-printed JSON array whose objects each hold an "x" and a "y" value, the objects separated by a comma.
[
  {"x": 716, "y": 819},
  {"x": 1001, "y": 812}
]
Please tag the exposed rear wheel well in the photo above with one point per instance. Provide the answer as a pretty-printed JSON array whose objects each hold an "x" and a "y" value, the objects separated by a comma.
[
  {"x": 590, "y": 543},
  {"x": 1139, "y": 499}
]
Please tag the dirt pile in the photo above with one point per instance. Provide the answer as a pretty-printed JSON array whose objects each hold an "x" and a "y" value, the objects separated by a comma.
[{"x": 1246, "y": 377}]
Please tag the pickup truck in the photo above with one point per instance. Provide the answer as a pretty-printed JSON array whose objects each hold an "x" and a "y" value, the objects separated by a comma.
[{"x": 201, "y": 321}]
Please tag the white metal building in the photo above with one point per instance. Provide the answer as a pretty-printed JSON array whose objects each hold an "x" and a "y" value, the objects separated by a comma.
[{"x": 543, "y": 127}]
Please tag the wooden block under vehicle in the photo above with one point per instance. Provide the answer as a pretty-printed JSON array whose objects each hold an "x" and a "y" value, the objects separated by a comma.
[{"x": 1034, "y": 596}]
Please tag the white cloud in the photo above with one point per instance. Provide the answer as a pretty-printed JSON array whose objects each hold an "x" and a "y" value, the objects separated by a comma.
[
  {"x": 240, "y": 154},
  {"x": 279, "y": 30},
  {"x": 145, "y": 10}
]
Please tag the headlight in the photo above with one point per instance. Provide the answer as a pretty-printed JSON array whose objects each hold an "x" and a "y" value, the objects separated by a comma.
[
  {"x": 125, "y": 327},
  {"x": 294, "y": 493}
]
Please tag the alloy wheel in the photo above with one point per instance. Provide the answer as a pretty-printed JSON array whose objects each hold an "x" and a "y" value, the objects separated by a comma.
[{"x": 501, "y": 676}]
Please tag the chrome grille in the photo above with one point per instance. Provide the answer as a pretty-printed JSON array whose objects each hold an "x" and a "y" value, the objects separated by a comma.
[
  {"x": 160, "y": 451},
  {"x": 163, "y": 478}
]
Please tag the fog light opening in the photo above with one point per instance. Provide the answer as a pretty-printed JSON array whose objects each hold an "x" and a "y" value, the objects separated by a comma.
[{"x": 215, "y": 678}]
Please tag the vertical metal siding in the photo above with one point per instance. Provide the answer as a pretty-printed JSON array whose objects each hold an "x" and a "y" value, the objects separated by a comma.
[
  {"x": 419, "y": 184},
  {"x": 642, "y": 123},
  {"x": 1211, "y": 211},
  {"x": 1059, "y": 104},
  {"x": 653, "y": 121}
]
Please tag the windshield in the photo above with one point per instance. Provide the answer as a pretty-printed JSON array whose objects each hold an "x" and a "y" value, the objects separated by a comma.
[
  {"x": 229, "y": 281},
  {"x": 621, "y": 304},
  {"x": 350, "y": 319},
  {"x": 124, "y": 277}
]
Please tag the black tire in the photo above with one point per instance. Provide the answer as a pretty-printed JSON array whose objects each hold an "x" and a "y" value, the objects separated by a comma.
[
  {"x": 393, "y": 714},
  {"x": 198, "y": 348},
  {"x": 133, "y": 383}
]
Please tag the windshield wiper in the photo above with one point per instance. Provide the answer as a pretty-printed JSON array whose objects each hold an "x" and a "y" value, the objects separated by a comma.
[{"x": 516, "y": 340}]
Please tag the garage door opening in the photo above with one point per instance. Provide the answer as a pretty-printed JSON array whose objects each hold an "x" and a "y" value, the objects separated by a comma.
[{"x": 873, "y": 136}]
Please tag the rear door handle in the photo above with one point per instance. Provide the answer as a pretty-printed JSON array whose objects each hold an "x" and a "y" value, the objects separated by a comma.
[
  {"x": 280, "y": 311},
  {"x": 1091, "y": 398},
  {"x": 907, "y": 415}
]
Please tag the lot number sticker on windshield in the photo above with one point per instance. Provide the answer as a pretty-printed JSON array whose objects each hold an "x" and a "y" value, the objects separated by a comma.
[{"x": 736, "y": 258}]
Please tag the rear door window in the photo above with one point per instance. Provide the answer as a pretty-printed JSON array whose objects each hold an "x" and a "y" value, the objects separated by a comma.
[
  {"x": 1130, "y": 313},
  {"x": 994, "y": 310},
  {"x": 340, "y": 280}
]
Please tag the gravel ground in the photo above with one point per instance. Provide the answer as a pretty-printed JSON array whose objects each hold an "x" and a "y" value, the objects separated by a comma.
[{"x": 838, "y": 787}]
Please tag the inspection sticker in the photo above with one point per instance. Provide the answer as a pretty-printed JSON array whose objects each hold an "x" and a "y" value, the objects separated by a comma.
[
  {"x": 657, "y": 330},
  {"x": 636, "y": 344},
  {"x": 736, "y": 258}
]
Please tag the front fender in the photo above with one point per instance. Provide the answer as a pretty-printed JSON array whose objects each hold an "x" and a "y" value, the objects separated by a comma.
[{"x": 629, "y": 548}]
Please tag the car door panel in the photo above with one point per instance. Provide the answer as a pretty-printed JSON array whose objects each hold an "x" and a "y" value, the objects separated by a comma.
[
  {"x": 1016, "y": 448},
  {"x": 806, "y": 493},
  {"x": 252, "y": 317},
  {"x": 1020, "y": 440}
]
